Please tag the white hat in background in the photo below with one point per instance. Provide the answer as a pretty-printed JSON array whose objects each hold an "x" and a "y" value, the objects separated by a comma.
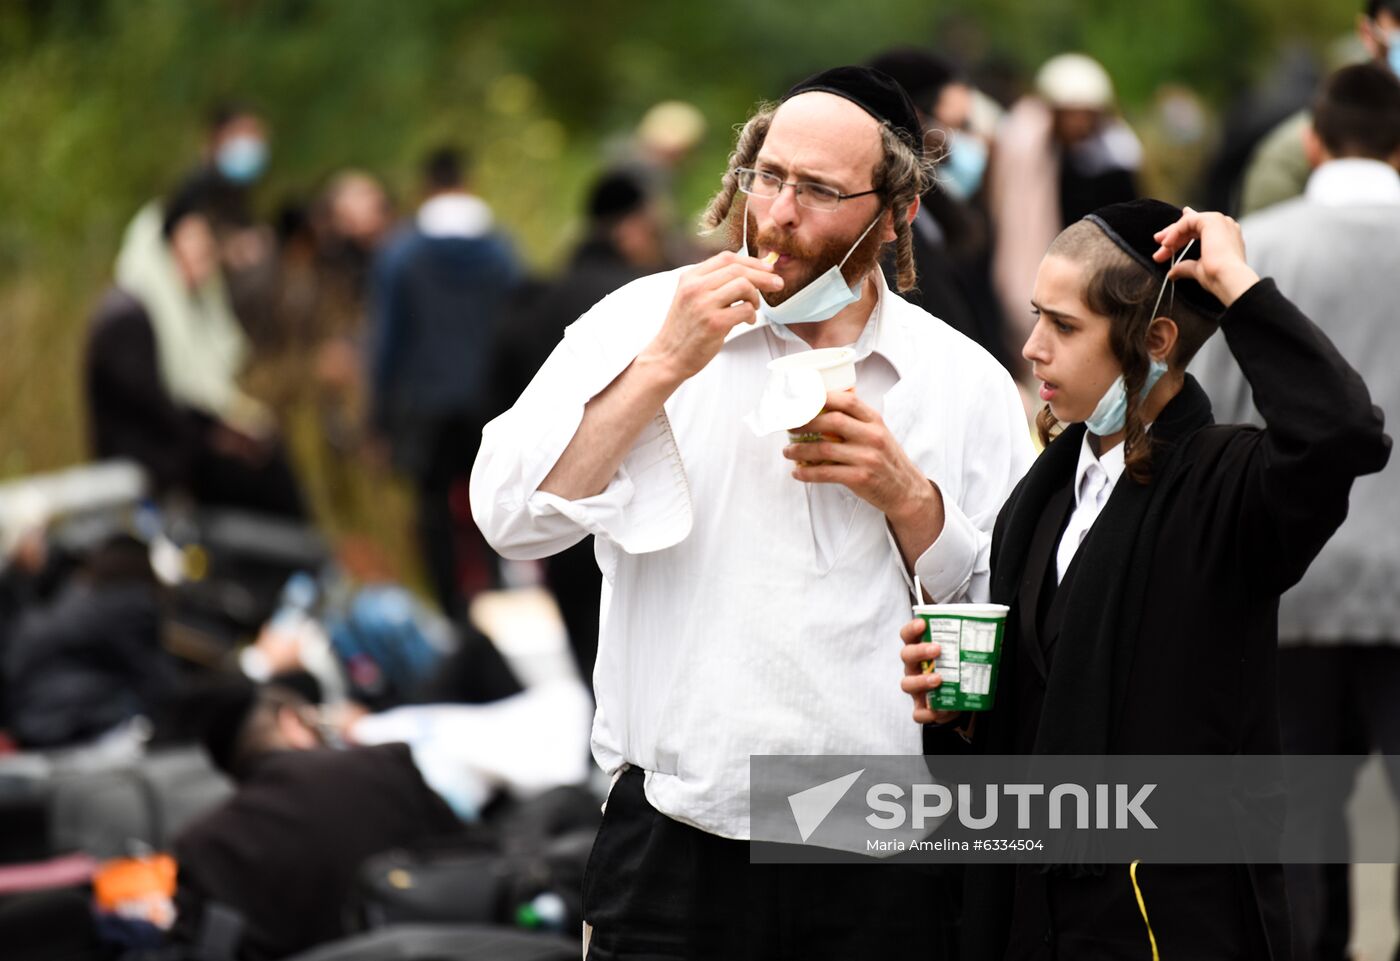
[
  {"x": 1073, "y": 81},
  {"x": 671, "y": 126}
]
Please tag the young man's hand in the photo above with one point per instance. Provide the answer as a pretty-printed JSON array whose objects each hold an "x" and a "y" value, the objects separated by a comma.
[
  {"x": 1221, "y": 268},
  {"x": 916, "y": 683}
]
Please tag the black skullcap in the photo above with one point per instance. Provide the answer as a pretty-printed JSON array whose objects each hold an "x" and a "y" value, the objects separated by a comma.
[
  {"x": 1132, "y": 225},
  {"x": 616, "y": 194},
  {"x": 874, "y": 92}
]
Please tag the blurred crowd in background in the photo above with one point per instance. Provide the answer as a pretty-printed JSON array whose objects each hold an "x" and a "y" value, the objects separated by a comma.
[{"x": 217, "y": 637}]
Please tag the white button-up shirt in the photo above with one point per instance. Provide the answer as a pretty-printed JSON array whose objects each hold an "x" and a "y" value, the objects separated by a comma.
[
  {"x": 1094, "y": 480},
  {"x": 745, "y": 612}
]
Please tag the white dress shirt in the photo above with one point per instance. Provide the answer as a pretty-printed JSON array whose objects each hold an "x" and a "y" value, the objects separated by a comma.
[
  {"x": 743, "y": 611},
  {"x": 1094, "y": 480}
]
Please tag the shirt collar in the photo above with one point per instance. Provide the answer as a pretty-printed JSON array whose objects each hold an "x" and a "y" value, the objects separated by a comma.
[
  {"x": 877, "y": 338},
  {"x": 1353, "y": 180},
  {"x": 1111, "y": 463},
  {"x": 454, "y": 215}
]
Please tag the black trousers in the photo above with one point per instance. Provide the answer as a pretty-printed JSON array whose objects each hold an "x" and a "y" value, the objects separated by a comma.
[
  {"x": 1352, "y": 698},
  {"x": 459, "y": 562},
  {"x": 577, "y": 585},
  {"x": 659, "y": 890}
]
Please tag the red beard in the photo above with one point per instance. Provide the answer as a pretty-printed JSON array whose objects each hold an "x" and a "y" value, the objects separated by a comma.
[{"x": 812, "y": 259}]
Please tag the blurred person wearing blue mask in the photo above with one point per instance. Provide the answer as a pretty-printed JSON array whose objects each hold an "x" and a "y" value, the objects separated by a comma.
[
  {"x": 1280, "y": 167},
  {"x": 1379, "y": 29},
  {"x": 242, "y": 157},
  {"x": 962, "y": 157},
  {"x": 236, "y": 154},
  {"x": 951, "y": 231},
  {"x": 233, "y": 158}
]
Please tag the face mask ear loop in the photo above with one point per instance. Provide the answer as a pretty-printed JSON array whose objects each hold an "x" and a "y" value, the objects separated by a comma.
[
  {"x": 746, "y": 226},
  {"x": 1171, "y": 304},
  {"x": 858, "y": 239},
  {"x": 1161, "y": 293}
]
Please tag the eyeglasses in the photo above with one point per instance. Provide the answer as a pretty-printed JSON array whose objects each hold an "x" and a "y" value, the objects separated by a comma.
[{"x": 763, "y": 183}]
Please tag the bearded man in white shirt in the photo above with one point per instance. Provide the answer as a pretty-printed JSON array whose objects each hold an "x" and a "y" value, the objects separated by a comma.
[{"x": 720, "y": 549}]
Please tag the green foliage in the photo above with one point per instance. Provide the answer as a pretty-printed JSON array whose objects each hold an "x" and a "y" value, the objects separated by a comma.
[{"x": 102, "y": 104}]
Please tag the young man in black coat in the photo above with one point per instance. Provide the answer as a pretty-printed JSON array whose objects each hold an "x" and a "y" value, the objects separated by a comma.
[{"x": 1131, "y": 557}]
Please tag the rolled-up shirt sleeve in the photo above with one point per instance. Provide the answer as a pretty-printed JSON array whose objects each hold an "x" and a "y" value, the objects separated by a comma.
[
  {"x": 947, "y": 567},
  {"x": 645, "y": 506}
]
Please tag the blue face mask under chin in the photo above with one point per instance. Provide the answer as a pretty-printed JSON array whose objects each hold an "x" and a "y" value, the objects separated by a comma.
[
  {"x": 1111, "y": 414},
  {"x": 822, "y": 299}
]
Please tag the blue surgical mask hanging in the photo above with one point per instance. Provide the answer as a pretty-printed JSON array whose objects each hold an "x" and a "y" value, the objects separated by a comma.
[
  {"x": 822, "y": 299},
  {"x": 1112, "y": 411}
]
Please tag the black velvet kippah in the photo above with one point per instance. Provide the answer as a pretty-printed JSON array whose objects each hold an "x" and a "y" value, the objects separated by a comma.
[
  {"x": 1132, "y": 225},
  {"x": 874, "y": 92}
]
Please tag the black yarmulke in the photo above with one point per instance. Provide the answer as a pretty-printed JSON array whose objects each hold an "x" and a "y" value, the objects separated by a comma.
[
  {"x": 1132, "y": 226},
  {"x": 615, "y": 194},
  {"x": 874, "y": 92}
]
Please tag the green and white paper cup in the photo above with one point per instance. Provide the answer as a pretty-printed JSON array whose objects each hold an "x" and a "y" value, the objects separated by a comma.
[{"x": 970, "y": 638}]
